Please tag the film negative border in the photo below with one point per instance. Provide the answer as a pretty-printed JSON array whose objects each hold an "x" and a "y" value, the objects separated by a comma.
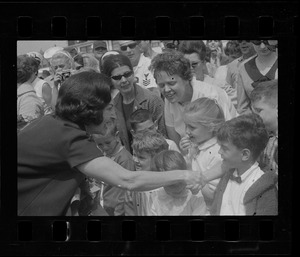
[
  {"x": 142, "y": 235},
  {"x": 204, "y": 20}
]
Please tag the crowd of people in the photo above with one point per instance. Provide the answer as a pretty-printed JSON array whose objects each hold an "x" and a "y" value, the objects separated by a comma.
[{"x": 189, "y": 130}]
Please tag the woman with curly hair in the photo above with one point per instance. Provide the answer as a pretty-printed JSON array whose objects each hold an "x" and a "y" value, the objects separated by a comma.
[{"x": 56, "y": 152}]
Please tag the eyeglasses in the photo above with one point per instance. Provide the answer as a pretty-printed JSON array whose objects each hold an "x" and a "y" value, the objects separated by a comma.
[
  {"x": 240, "y": 41},
  {"x": 258, "y": 42},
  {"x": 131, "y": 46},
  {"x": 170, "y": 45},
  {"x": 125, "y": 75},
  {"x": 100, "y": 49},
  {"x": 194, "y": 64}
]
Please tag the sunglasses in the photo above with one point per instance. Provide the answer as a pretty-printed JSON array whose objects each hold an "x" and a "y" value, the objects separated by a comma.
[
  {"x": 170, "y": 45},
  {"x": 125, "y": 75},
  {"x": 258, "y": 42},
  {"x": 131, "y": 46},
  {"x": 240, "y": 41},
  {"x": 100, "y": 49}
]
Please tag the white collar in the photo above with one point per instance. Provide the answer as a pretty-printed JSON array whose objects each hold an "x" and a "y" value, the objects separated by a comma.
[{"x": 248, "y": 172}]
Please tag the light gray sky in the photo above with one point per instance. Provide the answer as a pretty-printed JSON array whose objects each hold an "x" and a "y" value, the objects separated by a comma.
[{"x": 24, "y": 47}]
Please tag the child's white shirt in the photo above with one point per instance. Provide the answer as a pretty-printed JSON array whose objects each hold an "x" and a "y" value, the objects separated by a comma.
[
  {"x": 209, "y": 160},
  {"x": 163, "y": 204},
  {"x": 232, "y": 202}
]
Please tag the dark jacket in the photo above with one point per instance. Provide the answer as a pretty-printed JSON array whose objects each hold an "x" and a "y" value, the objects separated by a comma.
[
  {"x": 144, "y": 99},
  {"x": 260, "y": 199}
]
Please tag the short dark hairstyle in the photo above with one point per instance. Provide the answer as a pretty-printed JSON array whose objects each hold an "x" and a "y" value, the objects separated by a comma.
[
  {"x": 112, "y": 62},
  {"x": 168, "y": 160},
  {"x": 26, "y": 66},
  {"x": 267, "y": 90},
  {"x": 245, "y": 131},
  {"x": 193, "y": 46},
  {"x": 173, "y": 63},
  {"x": 139, "y": 116},
  {"x": 82, "y": 98}
]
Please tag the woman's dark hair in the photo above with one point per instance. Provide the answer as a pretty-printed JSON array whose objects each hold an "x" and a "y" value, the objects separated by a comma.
[
  {"x": 82, "y": 98},
  {"x": 112, "y": 62},
  {"x": 26, "y": 66},
  {"x": 173, "y": 63}
]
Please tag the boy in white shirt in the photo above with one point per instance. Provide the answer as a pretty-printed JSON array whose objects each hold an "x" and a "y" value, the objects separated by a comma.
[
  {"x": 174, "y": 199},
  {"x": 244, "y": 189},
  {"x": 145, "y": 145}
]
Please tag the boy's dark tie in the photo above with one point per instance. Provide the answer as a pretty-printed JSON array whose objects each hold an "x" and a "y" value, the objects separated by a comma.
[{"x": 238, "y": 179}]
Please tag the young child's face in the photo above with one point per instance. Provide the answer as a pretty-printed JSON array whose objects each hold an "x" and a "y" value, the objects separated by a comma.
[
  {"x": 142, "y": 160},
  {"x": 198, "y": 133},
  {"x": 107, "y": 144},
  {"x": 148, "y": 125},
  {"x": 268, "y": 113},
  {"x": 231, "y": 155}
]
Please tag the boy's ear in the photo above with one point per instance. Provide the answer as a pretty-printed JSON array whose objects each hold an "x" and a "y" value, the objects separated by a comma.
[
  {"x": 155, "y": 124},
  {"x": 117, "y": 133},
  {"x": 246, "y": 154}
]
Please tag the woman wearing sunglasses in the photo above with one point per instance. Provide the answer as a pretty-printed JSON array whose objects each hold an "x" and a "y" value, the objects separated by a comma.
[
  {"x": 131, "y": 96},
  {"x": 262, "y": 67}
]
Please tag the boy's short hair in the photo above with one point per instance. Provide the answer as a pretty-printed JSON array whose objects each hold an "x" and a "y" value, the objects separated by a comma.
[
  {"x": 150, "y": 142},
  {"x": 139, "y": 116},
  {"x": 173, "y": 63},
  {"x": 168, "y": 160},
  {"x": 266, "y": 90},
  {"x": 245, "y": 131}
]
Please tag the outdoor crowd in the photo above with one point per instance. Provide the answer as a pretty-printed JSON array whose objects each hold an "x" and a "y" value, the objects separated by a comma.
[{"x": 190, "y": 130}]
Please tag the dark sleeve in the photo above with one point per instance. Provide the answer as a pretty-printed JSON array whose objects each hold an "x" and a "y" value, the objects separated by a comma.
[
  {"x": 156, "y": 107},
  {"x": 80, "y": 148}
]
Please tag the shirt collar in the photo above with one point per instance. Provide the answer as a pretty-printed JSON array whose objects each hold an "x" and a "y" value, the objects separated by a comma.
[
  {"x": 247, "y": 173},
  {"x": 141, "y": 61},
  {"x": 207, "y": 144}
]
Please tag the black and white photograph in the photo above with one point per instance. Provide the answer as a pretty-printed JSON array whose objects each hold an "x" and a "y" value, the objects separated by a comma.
[{"x": 147, "y": 127}]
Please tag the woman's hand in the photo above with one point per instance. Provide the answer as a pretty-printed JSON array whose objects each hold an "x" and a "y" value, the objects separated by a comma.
[{"x": 195, "y": 181}]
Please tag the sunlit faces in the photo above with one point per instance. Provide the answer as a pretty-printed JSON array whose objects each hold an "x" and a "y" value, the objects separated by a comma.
[
  {"x": 132, "y": 51},
  {"x": 142, "y": 160},
  {"x": 231, "y": 155},
  {"x": 246, "y": 47},
  {"x": 196, "y": 65},
  {"x": 106, "y": 143},
  {"x": 268, "y": 112},
  {"x": 124, "y": 85},
  {"x": 60, "y": 64},
  {"x": 198, "y": 133},
  {"x": 214, "y": 44},
  {"x": 173, "y": 87}
]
